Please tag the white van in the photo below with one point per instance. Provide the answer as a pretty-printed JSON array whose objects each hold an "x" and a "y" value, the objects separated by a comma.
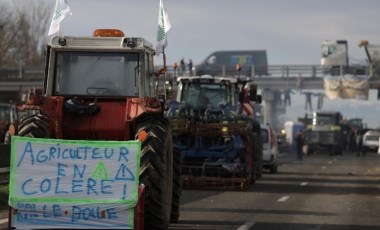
[
  {"x": 270, "y": 148},
  {"x": 371, "y": 141}
]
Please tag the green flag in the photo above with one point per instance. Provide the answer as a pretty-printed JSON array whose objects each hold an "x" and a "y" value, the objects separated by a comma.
[
  {"x": 163, "y": 28},
  {"x": 61, "y": 10}
]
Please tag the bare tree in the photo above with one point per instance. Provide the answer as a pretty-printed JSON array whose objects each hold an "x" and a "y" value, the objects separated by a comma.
[
  {"x": 7, "y": 35},
  {"x": 23, "y": 33}
]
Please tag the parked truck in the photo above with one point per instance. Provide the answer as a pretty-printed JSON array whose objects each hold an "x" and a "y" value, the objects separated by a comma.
[
  {"x": 215, "y": 130},
  {"x": 325, "y": 133},
  {"x": 335, "y": 59},
  {"x": 101, "y": 88}
]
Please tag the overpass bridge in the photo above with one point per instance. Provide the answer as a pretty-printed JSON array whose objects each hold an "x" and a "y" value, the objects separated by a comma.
[{"x": 15, "y": 83}]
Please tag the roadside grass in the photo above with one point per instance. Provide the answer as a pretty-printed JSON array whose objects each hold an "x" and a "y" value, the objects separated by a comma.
[{"x": 4, "y": 191}]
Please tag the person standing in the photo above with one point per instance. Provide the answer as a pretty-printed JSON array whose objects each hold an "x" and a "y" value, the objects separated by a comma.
[
  {"x": 359, "y": 143},
  {"x": 320, "y": 97},
  {"x": 287, "y": 98},
  {"x": 183, "y": 66},
  {"x": 190, "y": 65},
  {"x": 308, "y": 100},
  {"x": 299, "y": 142}
]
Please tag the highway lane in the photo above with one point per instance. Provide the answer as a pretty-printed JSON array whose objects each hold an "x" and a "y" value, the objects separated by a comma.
[{"x": 322, "y": 192}]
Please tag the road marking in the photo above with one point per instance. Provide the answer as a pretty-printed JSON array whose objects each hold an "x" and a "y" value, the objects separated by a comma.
[
  {"x": 3, "y": 221},
  {"x": 329, "y": 162},
  {"x": 324, "y": 167},
  {"x": 283, "y": 199},
  {"x": 246, "y": 226},
  {"x": 303, "y": 183}
]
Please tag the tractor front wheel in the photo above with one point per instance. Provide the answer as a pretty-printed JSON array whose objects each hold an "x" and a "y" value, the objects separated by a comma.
[
  {"x": 156, "y": 172},
  {"x": 35, "y": 125}
]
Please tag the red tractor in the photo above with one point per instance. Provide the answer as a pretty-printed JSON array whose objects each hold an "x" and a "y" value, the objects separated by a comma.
[{"x": 104, "y": 88}]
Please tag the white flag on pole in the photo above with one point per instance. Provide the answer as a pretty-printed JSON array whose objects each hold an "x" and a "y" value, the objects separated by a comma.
[
  {"x": 163, "y": 27},
  {"x": 61, "y": 10}
]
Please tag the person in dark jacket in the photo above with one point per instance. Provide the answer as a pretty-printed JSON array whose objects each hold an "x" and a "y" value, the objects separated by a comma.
[
  {"x": 359, "y": 144},
  {"x": 299, "y": 142}
]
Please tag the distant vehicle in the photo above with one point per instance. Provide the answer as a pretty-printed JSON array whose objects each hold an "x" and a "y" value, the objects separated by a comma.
[
  {"x": 371, "y": 140},
  {"x": 335, "y": 59},
  {"x": 325, "y": 132},
  {"x": 270, "y": 148},
  {"x": 252, "y": 62}
]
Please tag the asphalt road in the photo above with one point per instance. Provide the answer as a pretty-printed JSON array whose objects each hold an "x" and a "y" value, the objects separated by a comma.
[{"x": 321, "y": 192}]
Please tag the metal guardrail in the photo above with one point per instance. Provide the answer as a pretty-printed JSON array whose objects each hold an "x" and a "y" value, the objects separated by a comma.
[
  {"x": 30, "y": 73},
  {"x": 279, "y": 76},
  {"x": 273, "y": 71},
  {"x": 21, "y": 73}
]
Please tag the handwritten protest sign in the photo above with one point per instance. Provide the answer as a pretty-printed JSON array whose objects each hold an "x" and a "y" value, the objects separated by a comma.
[{"x": 74, "y": 183}]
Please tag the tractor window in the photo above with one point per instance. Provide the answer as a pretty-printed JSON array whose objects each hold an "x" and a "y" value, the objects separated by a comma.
[
  {"x": 96, "y": 73},
  {"x": 149, "y": 80},
  {"x": 216, "y": 94},
  {"x": 325, "y": 120}
]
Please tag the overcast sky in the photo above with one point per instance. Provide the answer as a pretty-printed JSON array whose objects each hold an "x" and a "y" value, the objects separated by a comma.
[{"x": 291, "y": 31}]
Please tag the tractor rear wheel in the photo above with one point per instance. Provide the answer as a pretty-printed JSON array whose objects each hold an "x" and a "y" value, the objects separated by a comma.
[
  {"x": 253, "y": 169},
  {"x": 176, "y": 186},
  {"x": 258, "y": 155},
  {"x": 156, "y": 172},
  {"x": 35, "y": 125}
]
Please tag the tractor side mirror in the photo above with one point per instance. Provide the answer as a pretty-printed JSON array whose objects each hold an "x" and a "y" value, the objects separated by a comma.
[
  {"x": 259, "y": 99},
  {"x": 169, "y": 89},
  {"x": 253, "y": 93}
]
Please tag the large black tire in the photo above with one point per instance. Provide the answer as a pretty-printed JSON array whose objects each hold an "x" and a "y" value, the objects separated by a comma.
[
  {"x": 176, "y": 195},
  {"x": 156, "y": 172},
  {"x": 253, "y": 170},
  {"x": 258, "y": 149},
  {"x": 35, "y": 125},
  {"x": 274, "y": 168}
]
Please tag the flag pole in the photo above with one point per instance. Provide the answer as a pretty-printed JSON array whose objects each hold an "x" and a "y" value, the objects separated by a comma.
[{"x": 164, "y": 60}]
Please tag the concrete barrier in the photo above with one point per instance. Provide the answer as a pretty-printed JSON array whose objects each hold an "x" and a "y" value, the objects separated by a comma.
[{"x": 5, "y": 155}]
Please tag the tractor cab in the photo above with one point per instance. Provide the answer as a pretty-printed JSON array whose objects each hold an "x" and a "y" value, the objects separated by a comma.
[
  {"x": 97, "y": 86},
  {"x": 99, "y": 66}
]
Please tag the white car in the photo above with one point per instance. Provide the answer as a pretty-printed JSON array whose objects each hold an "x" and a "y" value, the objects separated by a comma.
[
  {"x": 270, "y": 148},
  {"x": 371, "y": 141}
]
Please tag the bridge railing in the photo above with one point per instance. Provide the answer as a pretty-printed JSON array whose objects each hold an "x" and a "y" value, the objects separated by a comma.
[
  {"x": 36, "y": 73},
  {"x": 295, "y": 70},
  {"x": 273, "y": 71}
]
